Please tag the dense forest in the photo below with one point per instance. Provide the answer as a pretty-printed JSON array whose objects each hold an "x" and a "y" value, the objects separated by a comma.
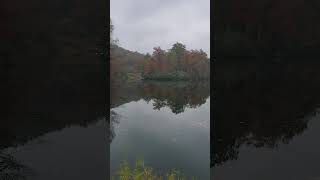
[
  {"x": 177, "y": 63},
  {"x": 266, "y": 28}
]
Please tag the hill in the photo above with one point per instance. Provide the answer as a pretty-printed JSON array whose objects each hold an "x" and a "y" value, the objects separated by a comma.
[
  {"x": 131, "y": 60},
  {"x": 267, "y": 27},
  {"x": 125, "y": 64}
]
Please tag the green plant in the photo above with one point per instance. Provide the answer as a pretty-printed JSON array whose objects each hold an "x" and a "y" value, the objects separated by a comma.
[{"x": 142, "y": 172}]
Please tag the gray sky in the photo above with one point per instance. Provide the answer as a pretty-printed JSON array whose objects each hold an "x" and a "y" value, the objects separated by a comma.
[{"x": 141, "y": 25}]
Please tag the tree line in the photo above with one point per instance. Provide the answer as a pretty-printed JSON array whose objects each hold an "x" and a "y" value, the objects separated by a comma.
[
  {"x": 176, "y": 64},
  {"x": 267, "y": 28}
]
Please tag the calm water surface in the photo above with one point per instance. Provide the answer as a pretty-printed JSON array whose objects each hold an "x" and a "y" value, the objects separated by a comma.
[
  {"x": 266, "y": 121},
  {"x": 169, "y": 127},
  {"x": 166, "y": 124},
  {"x": 293, "y": 159},
  {"x": 73, "y": 153}
]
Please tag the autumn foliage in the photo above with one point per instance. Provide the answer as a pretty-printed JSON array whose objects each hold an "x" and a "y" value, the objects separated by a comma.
[{"x": 177, "y": 63}]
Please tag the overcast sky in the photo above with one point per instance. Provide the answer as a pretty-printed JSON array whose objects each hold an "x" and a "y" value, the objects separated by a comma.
[{"x": 141, "y": 25}]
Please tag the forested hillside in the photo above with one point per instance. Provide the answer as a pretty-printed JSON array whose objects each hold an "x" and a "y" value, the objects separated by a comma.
[
  {"x": 177, "y": 63},
  {"x": 125, "y": 64},
  {"x": 267, "y": 28}
]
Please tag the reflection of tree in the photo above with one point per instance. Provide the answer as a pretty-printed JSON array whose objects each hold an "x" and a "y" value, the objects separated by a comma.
[
  {"x": 114, "y": 119},
  {"x": 158, "y": 104},
  {"x": 176, "y": 96},
  {"x": 264, "y": 109},
  {"x": 11, "y": 169}
]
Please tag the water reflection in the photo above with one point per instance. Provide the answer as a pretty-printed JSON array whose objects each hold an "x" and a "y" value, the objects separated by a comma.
[
  {"x": 261, "y": 106},
  {"x": 168, "y": 124},
  {"x": 175, "y": 95},
  {"x": 53, "y": 85},
  {"x": 114, "y": 119},
  {"x": 56, "y": 152},
  {"x": 40, "y": 106}
]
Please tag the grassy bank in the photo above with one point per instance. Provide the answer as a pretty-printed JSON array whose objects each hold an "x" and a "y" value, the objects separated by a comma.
[{"x": 142, "y": 172}]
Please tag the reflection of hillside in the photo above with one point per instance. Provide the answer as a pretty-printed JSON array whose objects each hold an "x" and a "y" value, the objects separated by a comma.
[
  {"x": 51, "y": 76},
  {"x": 264, "y": 106},
  {"x": 124, "y": 93},
  {"x": 175, "y": 95},
  {"x": 23, "y": 125},
  {"x": 42, "y": 101}
]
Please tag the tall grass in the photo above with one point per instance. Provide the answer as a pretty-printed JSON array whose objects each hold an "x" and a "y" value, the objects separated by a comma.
[{"x": 142, "y": 172}]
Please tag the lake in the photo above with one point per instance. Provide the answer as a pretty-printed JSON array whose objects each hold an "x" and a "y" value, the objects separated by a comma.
[
  {"x": 55, "y": 125},
  {"x": 165, "y": 124},
  {"x": 293, "y": 158},
  {"x": 74, "y": 152},
  {"x": 266, "y": 121}
]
